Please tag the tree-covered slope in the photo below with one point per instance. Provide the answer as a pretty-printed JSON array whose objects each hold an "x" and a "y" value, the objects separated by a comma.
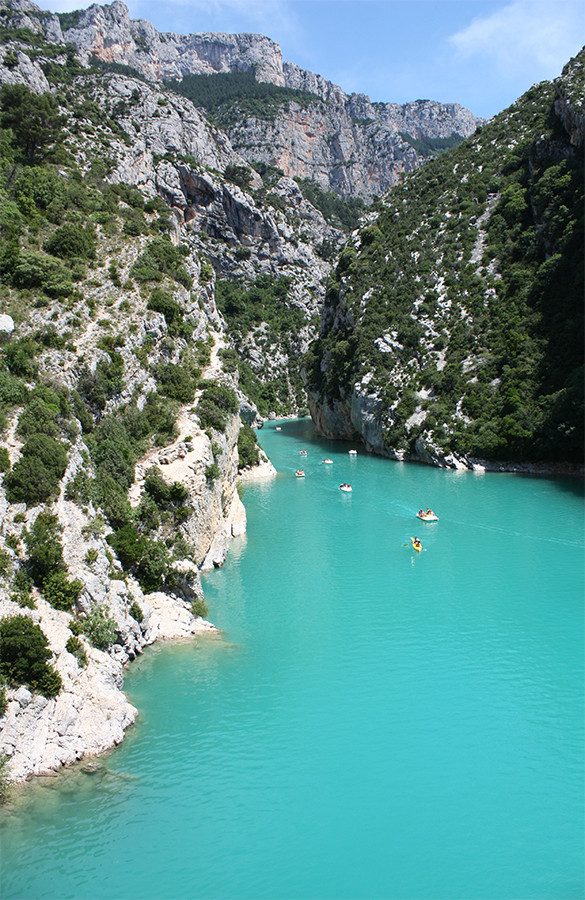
[{"x": 454, "y": 323}]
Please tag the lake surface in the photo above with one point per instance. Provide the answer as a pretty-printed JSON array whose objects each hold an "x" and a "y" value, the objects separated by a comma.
[{"x": 374, "y": 722}]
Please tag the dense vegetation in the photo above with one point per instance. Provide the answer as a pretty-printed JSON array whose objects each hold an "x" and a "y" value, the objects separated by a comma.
[
  {"x": 25, "y": 655},
  {"x": 340, "y": 212},
  {"x": 428, "y": 146},
  {"x": 229, "y": 97},
  {"x": 464, "y": 298},
  {"x": 262, "y": 309}
]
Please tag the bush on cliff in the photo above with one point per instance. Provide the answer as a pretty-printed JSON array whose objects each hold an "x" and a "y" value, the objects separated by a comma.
[
  {"x": 99, "y": 627},
  {"x": 46, "y": 564},
  {"x": 148, "y": 560},
  {"x": 35, "y": 477},
  {"x": 248, "y": 453},
  {"x": 24, "y": 656},
  {"x": 216, "y": 403}
]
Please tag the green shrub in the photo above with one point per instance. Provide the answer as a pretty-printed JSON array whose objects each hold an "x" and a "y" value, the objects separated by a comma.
[
  {"x": 148, "y": 560},
  {"x": 35, "y": 477},
  {"x": 99, "y": 627},
  {"x": 24, "y": 655},
  {"x": 175, "y": 382},
  {"x": 248, "y": 452},
  {"x": 41, "y": 185},
  {"x": 163, "y": 494},
  {"x": 212, "y": 472},
  {"x": 5, "y": 563},
  {"x": 4, "y": 777},
  {"x": 4, "y": 460},
  {"x": 161, "y": 301},
  {"x": 136, "y": 612},
  {"x": 91, "y": 556},
  {"x": 60, "y": 592},
  {"x": 216, "y": 403},
  {"x": 160, "y": 258},
  {"x": 76, "y": 648},
  {"x": 199, "y": 607},
  {"x": 71, "y": 241},
  {"x": 37, "y": 270},
  {"x": 129, "y": 545},
  {"x": 45, "y": 551}
]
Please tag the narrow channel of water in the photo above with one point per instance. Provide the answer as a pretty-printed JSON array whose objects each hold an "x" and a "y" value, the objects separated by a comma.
[{"x": 374, "y": 722}]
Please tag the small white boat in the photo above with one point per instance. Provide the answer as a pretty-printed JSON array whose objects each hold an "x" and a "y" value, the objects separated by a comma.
[
  {"x": 328, "y": 461},
  {"x": 300, "y": 473},
  {"x": 345, "y": 487},
  {"x": 352, "y": 452},
  {"x": 427, "y": 516},
  {"x": 302, "y": 452},
  {"x": 278, "y": 428}
]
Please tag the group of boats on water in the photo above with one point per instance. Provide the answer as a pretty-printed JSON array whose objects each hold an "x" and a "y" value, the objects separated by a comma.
[
  {"x": 425, "y": 515},
  {"x": 345, "y": 486}
]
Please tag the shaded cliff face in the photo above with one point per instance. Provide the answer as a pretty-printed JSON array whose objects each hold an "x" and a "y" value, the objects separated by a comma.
[
  {"x": 454, "y": 326},
  {"x": 343, "y": 142}
]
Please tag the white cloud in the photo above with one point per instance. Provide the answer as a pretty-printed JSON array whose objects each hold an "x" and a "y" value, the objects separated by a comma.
[{"x": 525, "y": 35}]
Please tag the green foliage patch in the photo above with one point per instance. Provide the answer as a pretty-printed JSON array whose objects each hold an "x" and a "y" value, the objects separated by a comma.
[
  {"x": 229, "y": 96},
  {"x": 24, "y": 656},
  {"x": 216, "y": 403}
]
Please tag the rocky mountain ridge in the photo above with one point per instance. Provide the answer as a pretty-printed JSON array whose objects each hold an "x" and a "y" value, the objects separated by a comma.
[{"x": 343, "y": 142}]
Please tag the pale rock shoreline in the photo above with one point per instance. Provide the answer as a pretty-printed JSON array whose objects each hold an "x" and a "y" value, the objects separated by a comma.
[{"x": 92, "y": 713}]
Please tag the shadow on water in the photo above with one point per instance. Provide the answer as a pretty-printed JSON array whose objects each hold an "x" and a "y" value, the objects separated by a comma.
[
  {"x": 570, "y": 484},
  {"x": 305, "y": 432}
]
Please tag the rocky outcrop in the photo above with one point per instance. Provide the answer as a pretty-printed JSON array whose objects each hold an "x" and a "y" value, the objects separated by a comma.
[
  {"x": 343, "y": 142},
  {"x": 107, "y": 33},
  {"x": 570, "y": 102}
]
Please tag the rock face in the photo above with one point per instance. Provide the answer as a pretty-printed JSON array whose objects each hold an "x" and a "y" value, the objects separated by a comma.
[
  {"x": 343, "y": 142},
  {"x": 415, "y": 354}
]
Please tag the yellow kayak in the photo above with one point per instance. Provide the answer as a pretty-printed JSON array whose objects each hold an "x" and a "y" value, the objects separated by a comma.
[{"x": 416, "y": 545}]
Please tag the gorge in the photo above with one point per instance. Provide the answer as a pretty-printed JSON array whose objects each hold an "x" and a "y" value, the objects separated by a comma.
[{"x": 175, "y": 271}]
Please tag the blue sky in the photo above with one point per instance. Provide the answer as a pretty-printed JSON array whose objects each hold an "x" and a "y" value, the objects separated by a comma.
[{"x": 480, "y": 53}]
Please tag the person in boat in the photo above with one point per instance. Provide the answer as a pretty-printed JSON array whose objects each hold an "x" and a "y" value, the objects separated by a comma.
[
  {"x": 416, "y": 543},
  {"x": 430, "y": 512},
  {"x": 421, "y": 512}
]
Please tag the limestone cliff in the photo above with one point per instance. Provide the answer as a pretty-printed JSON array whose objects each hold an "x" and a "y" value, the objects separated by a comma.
[{"x": 343, "y": 142}]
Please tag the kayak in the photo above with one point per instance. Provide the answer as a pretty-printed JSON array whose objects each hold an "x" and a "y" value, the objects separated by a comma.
[{"x": 416, "y": 545}]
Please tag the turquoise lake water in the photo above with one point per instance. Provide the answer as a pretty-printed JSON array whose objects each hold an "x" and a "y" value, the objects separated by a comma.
[{"x": 373, "y": 723}]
